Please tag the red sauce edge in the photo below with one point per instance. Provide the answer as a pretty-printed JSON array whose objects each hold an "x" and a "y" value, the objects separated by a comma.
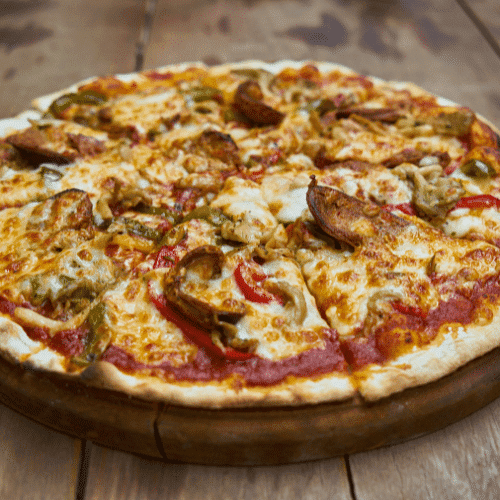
[
  {"x": 410, "y": 325},
  {"x": 334, "y": 357},
  {"x": 255, "y": 371}
]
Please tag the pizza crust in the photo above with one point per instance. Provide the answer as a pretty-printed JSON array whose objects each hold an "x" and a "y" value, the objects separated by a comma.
[
  {"x": 15, "y": 345},
  {"x": 294, "y": 392}
]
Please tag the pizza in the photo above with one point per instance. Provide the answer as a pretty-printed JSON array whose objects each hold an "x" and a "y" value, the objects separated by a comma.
[{"x": 249, "y": 235}]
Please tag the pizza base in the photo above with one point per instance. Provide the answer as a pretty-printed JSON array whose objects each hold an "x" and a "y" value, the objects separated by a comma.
[{"x": 450, "y": 350}]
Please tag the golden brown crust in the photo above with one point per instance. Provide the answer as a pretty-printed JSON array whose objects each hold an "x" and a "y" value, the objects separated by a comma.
[
  {"x": 449, "y": 351},
  {"x": 294, "y": 392}
]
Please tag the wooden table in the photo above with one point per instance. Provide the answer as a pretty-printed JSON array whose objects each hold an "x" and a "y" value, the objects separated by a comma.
[{"x": 450, "y": 47}]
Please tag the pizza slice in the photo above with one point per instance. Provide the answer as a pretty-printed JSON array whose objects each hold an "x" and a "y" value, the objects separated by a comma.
[{"x": 410, "y": 304}]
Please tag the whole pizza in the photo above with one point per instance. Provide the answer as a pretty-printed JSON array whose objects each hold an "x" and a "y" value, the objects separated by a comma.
[{"x": 249, "y": 235}]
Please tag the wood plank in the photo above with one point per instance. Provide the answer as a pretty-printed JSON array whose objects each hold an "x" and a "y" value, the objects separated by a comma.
[
  {"x": 35, "y": 462},
  {"x": 46, "y": 45},
  {"x": 461, "y": 461},
  {"x": 276, "y": 436},
  {"x": 434, "y": 45},
  {"x": 488, "y": 14},
  {"x": 63, "y": 405},
  {"x": 116, "y": 475}
]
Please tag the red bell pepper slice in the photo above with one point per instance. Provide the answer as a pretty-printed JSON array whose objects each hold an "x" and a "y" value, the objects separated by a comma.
[
  {"x": 406, "y": 208},
  {"x": 167, "y": 257},
  {"x": 409, "y": 310},
  {"x": 478, "y": 201},
  {"x": 247, "y": 280},
  {"x": 198, "y": 336}
]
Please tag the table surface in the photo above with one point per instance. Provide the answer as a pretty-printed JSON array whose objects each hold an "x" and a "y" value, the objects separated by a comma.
[{"x": 449, "y": 47}]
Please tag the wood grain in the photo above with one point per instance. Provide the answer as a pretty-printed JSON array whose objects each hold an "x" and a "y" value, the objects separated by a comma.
[
  {"x": 35, "y": 462},
  {"x": 80, "y": 411},
  {"x": 460, "y": 462},
  {"x": 488, "y": 14},
  {"x": 115, "y": 475},
  {"x": 47, "y": 45},
  {"x": 433, "y": 44},
  {"x": 283, "y": 435},
  {"x": 249, "y": 436}
]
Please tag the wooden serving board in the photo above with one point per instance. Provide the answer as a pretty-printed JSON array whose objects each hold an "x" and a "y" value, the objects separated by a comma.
[{"x": 248, "y": 436}]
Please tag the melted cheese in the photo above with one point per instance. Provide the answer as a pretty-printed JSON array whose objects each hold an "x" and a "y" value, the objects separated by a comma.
[
  {"x": 242, "y": 201},
  {"x": 135, "y": 324},
  {"x": 346, "y": 286},
  {"x": 279, "y": 330},
  {"x": 286, "y": 195},
  {"x": 145, "y": 112}
]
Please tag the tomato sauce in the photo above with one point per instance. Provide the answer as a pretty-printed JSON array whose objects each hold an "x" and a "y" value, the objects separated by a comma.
[
  {"x": 406, "y": 327},
  {"x": 69, "y": 343},
  {"x": 410, "y": 326},
  {"x": 255, "y": 371}
]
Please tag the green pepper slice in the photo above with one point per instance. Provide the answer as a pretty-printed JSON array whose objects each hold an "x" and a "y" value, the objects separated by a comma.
[
  {"x": 135, "y": 227},
  {"x": 201, "y": 94},
  {"x": 63, "y": 102},
  {"x": 96, "y": 341},
  {"x": 209, "y": 214},
  {"x": 169, "y": 214},
  {"x": 478, "y": 168}
]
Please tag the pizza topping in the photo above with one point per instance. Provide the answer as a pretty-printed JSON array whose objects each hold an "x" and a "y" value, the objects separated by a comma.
[
  {"x": 293, "y": 298},
  {"x": 349, "y": 219},
  {"x": 197, "y": 266},
  {"x": 248, "y": 101},
  {"x": 87, "y": 97},
  {"x": 479, "y": 201},
  {"x": 36, "y": 141},
  {"x": 481, "y": 162},
  {"x": 206, "y": 213},
  {"x": 217, "y": 145},
  {"x": 8, "y": 154},
  {"x": 29, "y": 317},
  {"x": 195, "y": 334},
  {"x": 434, "y": 198},
  {"x": 134, "y": 227},
  {"x": 387, "y": 115},
  {"x": 251, "y": 221},
  {"x": 452, "y": 121},
  {"x": 86, "y": 146},
  {"x": 249, "y": 279},
  {"x": 320, "y": 107},
  {"x": 97, "y": 338},
  {"x": 118, "y": 196},
  {"x": 75, "y": 275},
  {"x": 56, "y": 143},
  {"x": 202, "y": 94},
  {"x": 406, "y": 208},
  {"x": 416, "y": 157}
]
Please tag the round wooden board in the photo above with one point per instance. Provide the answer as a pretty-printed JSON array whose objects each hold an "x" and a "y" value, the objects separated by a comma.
[{"x": 248, "y": 436}]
